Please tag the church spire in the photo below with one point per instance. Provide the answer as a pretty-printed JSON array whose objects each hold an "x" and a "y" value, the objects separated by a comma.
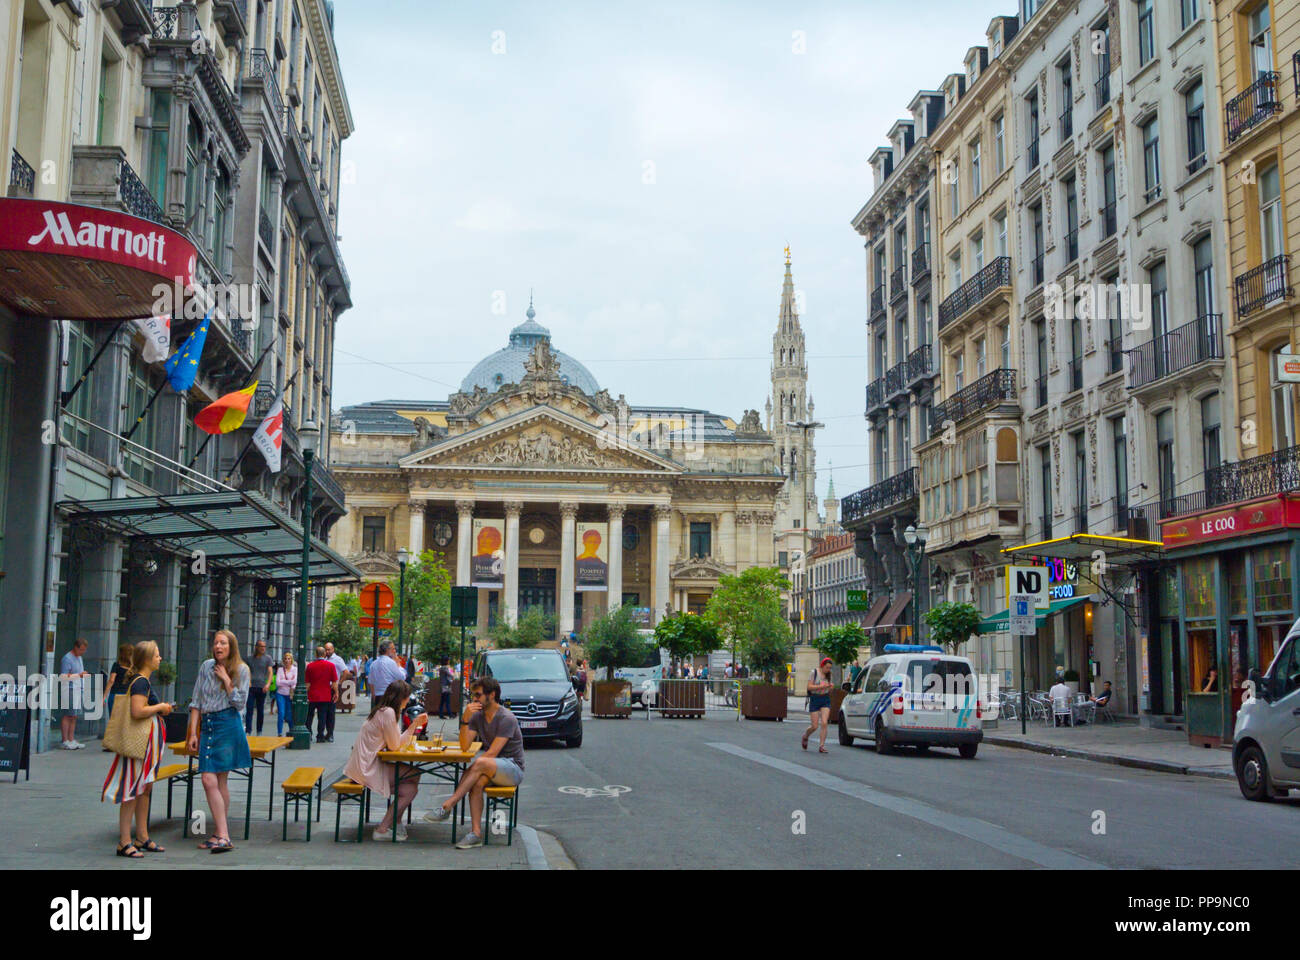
[{"x": 789, "y": 316}]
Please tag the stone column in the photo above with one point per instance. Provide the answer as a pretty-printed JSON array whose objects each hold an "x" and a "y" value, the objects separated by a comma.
[
  {"x": 663, "y": 521},
  {"x": 614, "y": 596},
  {"x": 568, "y": 549},
  {"x": 415, "y": 543},
  {"x": 510, "y": 598},
  {"x": 464, "y": 544}
]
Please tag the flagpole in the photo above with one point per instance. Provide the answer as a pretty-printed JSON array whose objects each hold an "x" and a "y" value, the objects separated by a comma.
[
  {"x": 140, "y": 419},
  {"x": 67, "y": 395},
  {"x": 243, "y": 453},
  {"x": 204, "y": 445}
]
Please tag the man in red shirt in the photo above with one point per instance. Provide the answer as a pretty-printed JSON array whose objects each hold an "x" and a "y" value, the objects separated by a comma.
[{"x": 322, "y": 686}]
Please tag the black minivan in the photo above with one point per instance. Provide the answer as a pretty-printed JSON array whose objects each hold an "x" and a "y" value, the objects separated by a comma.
[{"x": 537, "y": 689}]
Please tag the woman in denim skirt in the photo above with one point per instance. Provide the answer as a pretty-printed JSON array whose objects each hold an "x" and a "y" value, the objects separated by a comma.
[{"x": 216, "y": 731}]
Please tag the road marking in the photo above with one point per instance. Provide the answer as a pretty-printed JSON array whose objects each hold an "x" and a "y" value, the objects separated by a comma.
[
  {"x": 991, "y": 835},
  {"x": 609, "y": 790}
]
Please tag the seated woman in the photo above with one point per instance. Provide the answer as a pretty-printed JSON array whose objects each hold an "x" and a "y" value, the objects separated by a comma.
[{"x": 381, "y": 732}]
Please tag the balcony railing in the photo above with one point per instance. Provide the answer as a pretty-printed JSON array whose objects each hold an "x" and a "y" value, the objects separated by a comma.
[
  {"x": 1067, "y": 124},
  {"x": 1114, "y": 354},
  {"x": 1102, "y": 88},
  {"x": 262, "y": 67},
  {"x": 875, "y": 394},
  {"x": 878, "y": 302},
  {"x": 975, "y": 290},
  {"x": 920, "y": 363},
  {"x": 989, "y": 391},
  {"x": 1152, "y": 193},
  {"x": 1252, "y": 106},
  {"x": 920, "y": 262},
  {"x": 1033, "y": 155},
  {"x": 1190, "y": 344},
  {"x": 164, "y": 22},
  {"x": 136, "y": 196},
  {"x": 22, "y": 178},
  {"x": 266, "y": 231},
  {"x": 1040, "y": 391},
  {"x": 1037, "y": 265},
  {"x": 896, "y": 379},
  {"x": 323, "y": 480},
  {"x": 1265, "y": 284},
  {"x": 1257, "y": 477},
  {"x": 1075, "y": 370},
  {"x": 1108, "y": 220},
  {"x": 1072, "y": 245},
  {"x": 897, "y": 489},
  {"x": 898, "y": 284}
]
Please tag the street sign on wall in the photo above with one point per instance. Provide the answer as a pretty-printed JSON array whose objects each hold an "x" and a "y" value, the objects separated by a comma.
[
  {"x": 859, "y": 601},
  {"x": 1032, "y": 581},
  {"x": 1021, "y": 617}
]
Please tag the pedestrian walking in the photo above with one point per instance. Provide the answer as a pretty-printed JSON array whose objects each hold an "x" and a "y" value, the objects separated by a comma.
[
  {"x": 260, "y": 677},
  {"x": 381, "y": 732},
  {"x": 322, "y": 686},
  {"x": 363, "y": 673},
  {"x": 446, "y": 680},
  {"x": 582, "y": 680},
  {"x": 384, "y": 670},
  {"x": 215, "y": 733},
  {"x": 819, "y": 702},
  {"x": 286, "y": 678},
  {"x": 117, "y": 677},
  {"x": 72, "y": 670},
  {"x": 130, "y": 779}
]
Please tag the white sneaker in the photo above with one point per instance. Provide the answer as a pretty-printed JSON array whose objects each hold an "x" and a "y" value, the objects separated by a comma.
[
  {"x": 78, "y": 745},
  {"x": 469, "y": 842},
  {"x": 437, "y": 815},
  {"x": 68, "y": 745},
  {"x": 381, "y": 834}
]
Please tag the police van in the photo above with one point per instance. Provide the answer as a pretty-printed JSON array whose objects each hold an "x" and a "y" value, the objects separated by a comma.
[{"x": 917, "y": 696}]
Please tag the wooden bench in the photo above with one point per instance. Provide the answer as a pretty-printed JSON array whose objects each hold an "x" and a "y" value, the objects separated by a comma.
[
  {"x": 349, "y": 791},
  {"x": 171, "y": 773},
  {"x": 507, "y": 797},
  {"x": 298, "y": 787}
]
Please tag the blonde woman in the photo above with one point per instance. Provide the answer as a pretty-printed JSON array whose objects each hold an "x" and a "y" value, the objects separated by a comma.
[
  {"x": 286, "y": 678},
  {"x": 117, "y": 678},
  {"x": 130, "y": 781},
  {"x": 216, "y": 733}
]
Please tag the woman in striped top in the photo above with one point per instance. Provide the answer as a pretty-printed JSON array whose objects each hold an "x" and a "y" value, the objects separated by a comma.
[{"x": 216, "y": 732}]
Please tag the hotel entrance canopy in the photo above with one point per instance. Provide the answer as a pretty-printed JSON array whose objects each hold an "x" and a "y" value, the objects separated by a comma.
[
  {"x": 1122, "y": 552},
  {"x": 238, "y": 532}
]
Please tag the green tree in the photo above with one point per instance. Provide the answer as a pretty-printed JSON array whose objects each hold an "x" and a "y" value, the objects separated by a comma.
[
  {"x": 612, "y": 641},
  {"x": 841, "y": 643},
  {"x": 687, "y": 635},
  {"x": 342, "y": 626},
  {"x": 426, "y": 610},
  {"x": 952, "y": 624},
  {"x": 768, "y": 645},
  {"x": 743, "y": 601},
  {"x": 534, "y": 627}
]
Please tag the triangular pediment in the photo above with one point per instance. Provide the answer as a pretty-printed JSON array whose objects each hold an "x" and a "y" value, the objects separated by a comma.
[{"x": 540, "y": 439}]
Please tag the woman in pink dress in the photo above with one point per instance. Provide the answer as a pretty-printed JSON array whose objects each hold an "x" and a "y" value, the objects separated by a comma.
[{"x": 381, "y": 732}]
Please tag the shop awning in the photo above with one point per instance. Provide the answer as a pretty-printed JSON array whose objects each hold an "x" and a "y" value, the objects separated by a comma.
[
  {"x": 875, "y": 613},
  {"x": 1083, "y": 547},
  {"x": 238, "y": 532},
  {"x": 1000, "y": 622},
  {"x": 890, "y": 619}
]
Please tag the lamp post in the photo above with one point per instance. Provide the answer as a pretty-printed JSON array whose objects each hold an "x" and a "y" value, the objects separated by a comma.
[
  {"x": 402, "y": 557},
  {"x": 308, "y": 436},
  {"x": 915, "y": 536},
  {"x": 805, "y": 426}
]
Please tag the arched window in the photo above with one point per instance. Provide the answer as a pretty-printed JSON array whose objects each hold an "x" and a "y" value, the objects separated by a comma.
[{"x": 1283, "y": 403}]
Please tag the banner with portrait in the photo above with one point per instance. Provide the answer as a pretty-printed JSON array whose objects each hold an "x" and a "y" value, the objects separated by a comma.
[
  {"x": 488, "y": 561},
  {"x": 592, "y": 565}
]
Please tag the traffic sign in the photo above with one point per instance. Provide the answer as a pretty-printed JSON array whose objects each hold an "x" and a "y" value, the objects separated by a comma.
[
  {"x": 1032, "y": 581},
  {"x": 859, "y": 601},
  {"x": 380, "y": 591},
  {"x": 1021, "y": 616},
  {"x": 385, "y": 623},
  {"x": 464, "y": 606}
]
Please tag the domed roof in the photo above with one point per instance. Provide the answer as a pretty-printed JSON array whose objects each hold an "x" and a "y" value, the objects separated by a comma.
[{"x": 507, "y": 364}]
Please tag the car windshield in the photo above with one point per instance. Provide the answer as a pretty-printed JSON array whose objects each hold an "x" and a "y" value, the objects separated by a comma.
[{"x": 542, "y": 665}]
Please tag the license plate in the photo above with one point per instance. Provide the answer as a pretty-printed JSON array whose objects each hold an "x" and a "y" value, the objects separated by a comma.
[{"x": 532, "y": 724}]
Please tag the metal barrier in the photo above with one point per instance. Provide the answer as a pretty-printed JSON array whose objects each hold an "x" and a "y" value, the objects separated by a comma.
[{"x": 682, "y": 699}]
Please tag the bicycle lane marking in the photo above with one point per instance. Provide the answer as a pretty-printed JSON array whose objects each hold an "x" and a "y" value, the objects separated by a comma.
[{"x": 991, "y": 835}]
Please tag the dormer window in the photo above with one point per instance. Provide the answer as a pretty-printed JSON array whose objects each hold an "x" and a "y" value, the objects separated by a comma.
[
  {"x": 995, "y": 42},
  {"x": 972, "y": 71}
]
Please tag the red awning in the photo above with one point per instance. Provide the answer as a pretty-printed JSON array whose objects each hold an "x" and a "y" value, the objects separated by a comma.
[
  {"x": 890, "y": 619},
  {"x": 72, "y": 262},
  {"x": 874, "y": 613}
]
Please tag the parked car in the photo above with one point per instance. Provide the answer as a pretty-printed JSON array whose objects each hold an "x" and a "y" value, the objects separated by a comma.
[
  {"x": 916, "y": 696},
  {"x": 1266, "y": 741},
  {"x": 537, "y": 689}
]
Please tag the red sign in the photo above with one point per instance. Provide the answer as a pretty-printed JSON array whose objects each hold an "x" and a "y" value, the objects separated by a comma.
[
  {"x": 368, "y": 595},
  {"x": 385, "y": 623},
  {"x": 1240, "y": 521}
]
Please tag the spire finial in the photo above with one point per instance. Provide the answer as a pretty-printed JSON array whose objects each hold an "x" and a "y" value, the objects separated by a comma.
[
  {"x": 787, "y": 254},
  {"x": 531, "y": 312}
]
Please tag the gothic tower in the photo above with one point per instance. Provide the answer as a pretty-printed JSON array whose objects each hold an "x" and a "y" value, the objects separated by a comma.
[{"x": 791, "y": 403}]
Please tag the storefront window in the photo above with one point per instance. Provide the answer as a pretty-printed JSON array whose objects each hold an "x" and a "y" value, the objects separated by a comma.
[
  {"x": 1169, "y": 592},
  {"x": 1273, "y": 578},
  {"x": 1198, "y": 577},
  {"x": 1236, "y": 564},
  {"x": 1202, "y": 657}
]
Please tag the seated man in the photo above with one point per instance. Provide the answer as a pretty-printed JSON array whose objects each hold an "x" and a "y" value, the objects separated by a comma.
[
  {"x": 1060, "y": 692},
  {"x": 500, "y": 765},
  {"x": 1104, "y": 697}
]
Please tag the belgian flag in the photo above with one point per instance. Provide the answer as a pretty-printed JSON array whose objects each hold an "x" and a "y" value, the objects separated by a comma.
[{"x": 227, "y": 414}]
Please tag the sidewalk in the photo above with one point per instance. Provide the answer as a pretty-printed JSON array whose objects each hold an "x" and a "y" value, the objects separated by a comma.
[
  {"x": 56, "y": 820},
  {"x": 1124, "y": 743}
]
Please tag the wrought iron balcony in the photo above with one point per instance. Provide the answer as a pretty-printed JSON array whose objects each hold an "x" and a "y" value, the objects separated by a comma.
[
  {"x": 1265, "y": 284},
  {"x": 896, "y": 379},
  {"x": 22, "y": 178},
  {"x": 1252, "y": 106},
  {"x": 997, "y": 388},
  {"x": 324, "y": 482},
  {"x": 261, "y": 67},
  {"x": 920, "y": 263},
  {"x": 1261, "y": 476},
  {"x": 975, "y": 291},
  {"x": 875, "y": 394},
  {"x": 266, "y": 231},
  {"x": 898, "y": 284},
  {"x": 1190, "y": 344},
  {"x": 139, "y": 201},
  {"x": 1108, "y": 225},
  {"x": 920, "y": 363},
  {"x": 878, "y": 302},
  {"x": 1102, "y": 87},
  {"x": 898, "y": 489},
  {"x": 164, "y": 22}
]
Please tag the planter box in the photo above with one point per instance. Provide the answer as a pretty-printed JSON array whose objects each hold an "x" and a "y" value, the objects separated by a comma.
[
  {"x": 681, "y": 698},
  {"x": 763, "y": 701},
  {"x": 433, "y": 698},
  {"x": 837, "y": 698},
  {"x": 611, "y": 698}
]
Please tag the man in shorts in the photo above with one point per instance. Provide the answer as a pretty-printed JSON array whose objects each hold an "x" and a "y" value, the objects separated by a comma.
[{"x": 501, "y": 764}]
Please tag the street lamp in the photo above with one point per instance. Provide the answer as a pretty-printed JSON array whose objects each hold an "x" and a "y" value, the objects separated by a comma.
[
  {"x": 805, "y": 426},
  {"x": 402, "y": 557},
  {"x": 308, "y": 437},
  {"x": 916, "y": 535}
]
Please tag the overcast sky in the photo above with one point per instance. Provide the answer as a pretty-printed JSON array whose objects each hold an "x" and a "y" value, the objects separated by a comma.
[{"x": 641, "y": 166}]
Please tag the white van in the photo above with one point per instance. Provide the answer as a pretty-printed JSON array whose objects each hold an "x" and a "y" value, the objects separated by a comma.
[
  {"x": 1266, "y": 741},
  {"x": 916, "y": 696}
]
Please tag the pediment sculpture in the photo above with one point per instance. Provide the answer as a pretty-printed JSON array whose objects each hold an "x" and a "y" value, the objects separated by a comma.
[
  {"x": 544, "y": 449},
  {"x": 750, "y": 424}
]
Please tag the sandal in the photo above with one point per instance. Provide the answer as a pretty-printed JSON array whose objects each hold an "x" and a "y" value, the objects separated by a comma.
[
  {"x": 822, "y": 750},
  {"x": 222, "y": 845},
  {"x": 805, "y": 741},
  {"x": 148, "y": 846},
  {"x": 130, "y": 852},
  {"x": 208, "y": 844}
]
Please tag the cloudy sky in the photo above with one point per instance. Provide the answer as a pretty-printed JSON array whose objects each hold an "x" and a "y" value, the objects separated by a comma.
[{"x": 641, "y": 166}]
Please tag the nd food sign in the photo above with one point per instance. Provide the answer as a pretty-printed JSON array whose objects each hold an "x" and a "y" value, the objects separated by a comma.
[{"x": 1032, "y": 582}]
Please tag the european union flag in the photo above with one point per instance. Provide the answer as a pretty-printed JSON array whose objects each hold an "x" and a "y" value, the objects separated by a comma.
[{"x": 183, "y": 367}]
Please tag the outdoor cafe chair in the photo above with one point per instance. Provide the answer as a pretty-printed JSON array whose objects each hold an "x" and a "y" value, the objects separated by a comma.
[{"x": 1064, "y": 710}]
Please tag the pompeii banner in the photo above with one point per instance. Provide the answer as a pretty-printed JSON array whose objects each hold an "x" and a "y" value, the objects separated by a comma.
[
  {"x": 488, "y": 566},
  {"x": 592, "y": 567}
]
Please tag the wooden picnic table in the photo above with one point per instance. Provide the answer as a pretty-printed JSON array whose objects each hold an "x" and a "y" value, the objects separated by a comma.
[
  {"x": 259, "y": 748},
  {"x": 441, "y": 761}
]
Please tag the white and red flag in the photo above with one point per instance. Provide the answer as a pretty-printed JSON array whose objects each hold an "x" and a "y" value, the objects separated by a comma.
[
  {"x": 269, "y": 438},
  {"x": 157, "y": 337}
]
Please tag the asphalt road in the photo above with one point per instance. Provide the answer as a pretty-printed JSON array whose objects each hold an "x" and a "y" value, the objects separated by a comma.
[{"x": 715, "y": 793}]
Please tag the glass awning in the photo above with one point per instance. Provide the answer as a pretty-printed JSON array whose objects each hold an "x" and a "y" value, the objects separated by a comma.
[{"x": 238, "y": 532}]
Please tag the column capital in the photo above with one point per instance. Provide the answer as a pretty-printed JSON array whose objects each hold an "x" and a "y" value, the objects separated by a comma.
[
  {"x": 616, "y": 510},
  {"x": 418, "y": 506},
  {"x": 465, "y": 508},
  {"x": 569, "y": 511},
  {"x": 514, "y": 508},
  {"x": 663, "y": 511}
]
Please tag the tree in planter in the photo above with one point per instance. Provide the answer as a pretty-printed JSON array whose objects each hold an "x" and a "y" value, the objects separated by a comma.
[
  {"x": 743, "y": 601},
  {"x": 612, "y": 641},
  {"x": 534, "y": 626},
  {"x": 952, "y": 624},
  {"x": 342, "y": 626},
  {"x": 687, "y": 635},
  {"x": 426, "y": 610},
  {"x": 842, "y": 643},
  {"x": 768, "y": 645}
]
